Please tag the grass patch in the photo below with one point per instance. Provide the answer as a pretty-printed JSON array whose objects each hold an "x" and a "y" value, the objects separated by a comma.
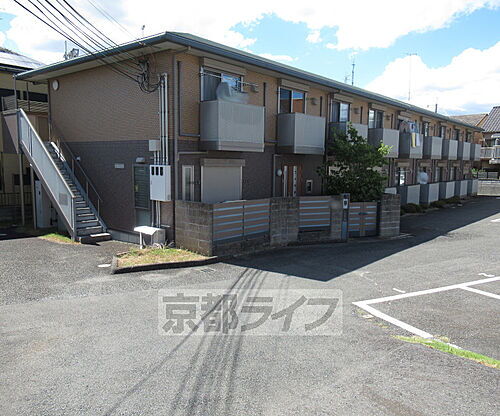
[
  {"x": 450, "y": 349},
  {"x": 137, "y": 257},
  {"x": 57, "y": 238}
]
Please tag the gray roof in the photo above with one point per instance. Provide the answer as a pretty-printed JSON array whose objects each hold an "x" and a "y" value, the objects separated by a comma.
[
  {"x": 475, "y": 119},
  {"x": 186, "y": 39},
  {"x": 492, "y": 123},
  {"x": 16, "y": 61}
]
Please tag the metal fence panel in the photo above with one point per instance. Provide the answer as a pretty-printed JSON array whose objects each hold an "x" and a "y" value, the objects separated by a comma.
[
  {"x": 362, "y": 219},
  {"x": 256, "y": 217},
  {"x": 228, "y": 220},
  {"x": 314, "y": 213}
]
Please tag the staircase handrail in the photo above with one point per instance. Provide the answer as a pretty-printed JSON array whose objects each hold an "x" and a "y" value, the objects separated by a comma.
[{"x": 27, "y": 144}]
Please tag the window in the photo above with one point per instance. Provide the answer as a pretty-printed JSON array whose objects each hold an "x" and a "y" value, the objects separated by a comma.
[
  {"x": 291, "y": 101},
  {"x": 438, "y": 174},
  {"x": 340, "y": 112},
  {"x": 211, "y": 80},
  {"x": 442, "y": 132},
  {"x": 188, "y": 182},
  {"x": 375, "y": 119},
  {"x": 453, "y": 173},
  {"x": 457, "y": 134},
  {"x": 401, "y": 176},
  {"x": 425, "y": 128},
  {"x": 469, "y": 136}
]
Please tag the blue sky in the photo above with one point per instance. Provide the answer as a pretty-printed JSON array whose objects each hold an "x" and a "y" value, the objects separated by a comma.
[{"x": 457, "y": 42}]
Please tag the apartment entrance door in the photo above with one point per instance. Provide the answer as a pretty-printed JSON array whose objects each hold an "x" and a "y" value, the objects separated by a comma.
[{"x": 292, "y": 179}]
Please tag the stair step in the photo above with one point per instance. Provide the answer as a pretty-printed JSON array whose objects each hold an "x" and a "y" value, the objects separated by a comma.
[
  {"x": 89, "y": 230},
  {"x": 87, "y": 223},
  {"x": 94, "y": 238},
  {"x": 85, "y": 216}
]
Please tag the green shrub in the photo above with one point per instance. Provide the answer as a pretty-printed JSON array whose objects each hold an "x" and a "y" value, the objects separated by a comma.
[
  {"x": 453, "y": 200},
  {"x": 424, "y": 206},
  {"x": 438, "y": 204},
  {"x": 410, "y": 208}
]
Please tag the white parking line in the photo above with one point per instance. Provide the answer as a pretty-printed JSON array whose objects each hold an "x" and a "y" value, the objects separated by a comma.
[
  {"x": 482, "y": 292},
  {"x": 365, "y": 304}
]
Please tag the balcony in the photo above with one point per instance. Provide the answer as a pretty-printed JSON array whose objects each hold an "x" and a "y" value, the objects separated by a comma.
[
  {"x": 29, "y": 106},
  {"x": 231, "y": 126},
  {"x": 461, "y": 188},
  {"x": 475, "y": 150},
  {"x": 410, "y": 145},
  {"x": 388, "y": 137},
  {"x": 486, "y": 152},
  {"x": 429, "y": 193},
  {"x": 464, "y": 150},
  {"x": 433, "y": 147},
  {"x": 495, "y": 157},
  {"x": 410, "y": 194},
  {"x": 472, "y": 186},
  {"x": 450, "y": 150},
  {"x": 301, "y": 134},
  {"x": 446, "y": 189},
  {"x": 362, "y": 129}
]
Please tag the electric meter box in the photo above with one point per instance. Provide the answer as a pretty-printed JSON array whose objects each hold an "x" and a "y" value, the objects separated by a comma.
[{"x": 160, "y": 184}]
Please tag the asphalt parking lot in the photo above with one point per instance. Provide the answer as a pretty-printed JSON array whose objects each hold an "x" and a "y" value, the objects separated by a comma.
[{"x": 77, "y": 340}]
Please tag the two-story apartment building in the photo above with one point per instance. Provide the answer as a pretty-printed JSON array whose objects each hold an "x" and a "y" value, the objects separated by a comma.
[
  {"x": 33, "y": 99},
  {"x": 224, "y": 124}
]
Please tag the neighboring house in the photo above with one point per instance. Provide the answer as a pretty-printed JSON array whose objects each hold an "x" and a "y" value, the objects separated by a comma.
[
  {"x": 239, "y": 126},
  {"x": 489, "y": 137},
  {"x": 32, "y": 98}
]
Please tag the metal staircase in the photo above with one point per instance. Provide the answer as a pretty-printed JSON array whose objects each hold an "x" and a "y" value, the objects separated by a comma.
[{"x": 71, "y": 201}]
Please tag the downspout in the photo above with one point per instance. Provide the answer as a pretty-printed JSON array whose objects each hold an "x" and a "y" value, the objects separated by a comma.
[{"x": 176, "y": 129}]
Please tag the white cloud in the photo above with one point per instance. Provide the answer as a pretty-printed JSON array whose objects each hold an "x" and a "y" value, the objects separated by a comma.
[
  {"x": 359, "y": 24},
  {"x": 469, "y": 83},
  {"x": 314, "y": 36},
  {"x": 279, "y": 58}
]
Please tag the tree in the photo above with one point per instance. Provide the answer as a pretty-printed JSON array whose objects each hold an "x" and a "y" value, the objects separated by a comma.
[{"x": 353, "y": 166}]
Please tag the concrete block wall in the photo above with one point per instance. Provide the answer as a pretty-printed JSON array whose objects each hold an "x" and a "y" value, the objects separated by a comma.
[
  {"x": 193, "y": 227},
  {"x": 389, "y": 215},
  {"x": 284, "y": 221}
]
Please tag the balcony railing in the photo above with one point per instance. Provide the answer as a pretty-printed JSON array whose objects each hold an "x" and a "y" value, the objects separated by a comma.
[
  {"x": 411, "y": 145},
  {"x": 450, "y": 149},
  {"x": 433, "y": 147},
  {"x": 464, "y": 150},
  {"x": 301, "y": 133},
  {"x": 362, "y": 129},
  {"x": 474, "y": 151},
  {"x": 388, "y": 137},
  {"x": 9, "y": 103},
  {"x": 232, "y": 126},
  {"x": 486, "y": 152}
]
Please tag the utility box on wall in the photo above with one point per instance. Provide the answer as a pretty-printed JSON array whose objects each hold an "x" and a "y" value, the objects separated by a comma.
[{"x": 160, "y": 183}]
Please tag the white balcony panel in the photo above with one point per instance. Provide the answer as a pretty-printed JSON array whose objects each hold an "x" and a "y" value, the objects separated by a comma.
[
  {"x": 475, "y": 152},
  {"x": 464, "y": 150},
  {"x": 232, "y": 126},
  {"x": 301, "y": 134},
  {"x": 388, "y": 137},
  {"x": 450, "y": 149},
  {"x": 429, "y": 193},
  {"x": 461, "y": 188},
  {"x": 362, "y": 129},
  {"x": 433, "y": 147},
  {"x": 410, "y": 194},
  {"x": 411, "y": 147},
  {"x": 472, "y": 185},
  {"x": 446, "y": 189}
]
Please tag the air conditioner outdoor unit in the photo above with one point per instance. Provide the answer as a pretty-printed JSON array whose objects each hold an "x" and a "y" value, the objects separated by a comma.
[{"x": 160, "y": 183}]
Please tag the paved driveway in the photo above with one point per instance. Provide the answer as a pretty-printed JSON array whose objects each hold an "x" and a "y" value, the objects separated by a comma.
[{"x": 76, "y": 340}]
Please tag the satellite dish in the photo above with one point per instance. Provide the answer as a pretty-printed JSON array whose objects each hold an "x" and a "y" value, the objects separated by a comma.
[{"x": 423, "y": 178}]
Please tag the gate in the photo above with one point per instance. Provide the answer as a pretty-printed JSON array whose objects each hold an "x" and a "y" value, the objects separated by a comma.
[{"x": 362, "y": 219}]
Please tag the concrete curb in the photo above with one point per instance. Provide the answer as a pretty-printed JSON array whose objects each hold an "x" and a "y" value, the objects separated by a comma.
[{"x": 160, "y": 266}]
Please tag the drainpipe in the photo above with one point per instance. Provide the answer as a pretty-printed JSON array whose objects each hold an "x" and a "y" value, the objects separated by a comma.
[
  {"x": 175, "y": 163},
  {"x": 15, "y": 92}
]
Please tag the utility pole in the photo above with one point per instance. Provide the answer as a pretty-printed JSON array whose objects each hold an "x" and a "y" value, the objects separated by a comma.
[
  {"x": 352, "y": 73},
  {"x": 410, "y": 54}
]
